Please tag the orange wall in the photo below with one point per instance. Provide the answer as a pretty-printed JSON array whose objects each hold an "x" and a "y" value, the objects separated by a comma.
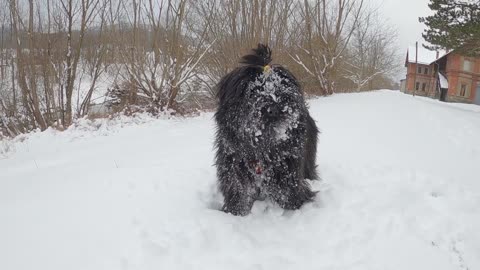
[
  {"x": 412, "y": 77},
  {"x": 455, "y": 73}
]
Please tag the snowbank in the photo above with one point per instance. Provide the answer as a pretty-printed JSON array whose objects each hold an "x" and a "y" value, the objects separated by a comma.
[{"x": 400, "y": 190}]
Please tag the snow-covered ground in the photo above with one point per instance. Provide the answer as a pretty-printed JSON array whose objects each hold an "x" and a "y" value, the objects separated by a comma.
[{"x": 400, "y": 190}]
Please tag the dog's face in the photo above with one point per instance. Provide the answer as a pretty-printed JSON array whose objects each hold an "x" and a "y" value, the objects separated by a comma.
[
  {"x": 259, "y": 103},
  {"x": 272, "y": 99}
]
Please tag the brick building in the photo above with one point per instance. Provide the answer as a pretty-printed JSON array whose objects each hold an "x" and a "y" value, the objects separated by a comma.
[{"x": 449, "y": 77}]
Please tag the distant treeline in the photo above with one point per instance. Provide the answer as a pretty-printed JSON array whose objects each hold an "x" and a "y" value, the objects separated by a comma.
[{"x": 169, "y": 54}]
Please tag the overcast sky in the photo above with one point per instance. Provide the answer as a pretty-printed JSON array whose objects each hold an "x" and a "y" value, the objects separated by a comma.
[{"x": 403, "y": 14}]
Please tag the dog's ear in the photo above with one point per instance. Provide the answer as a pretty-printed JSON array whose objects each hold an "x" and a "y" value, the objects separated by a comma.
[{"x": 261, "y": 56}]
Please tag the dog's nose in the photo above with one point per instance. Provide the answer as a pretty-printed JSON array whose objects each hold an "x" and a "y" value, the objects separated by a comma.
[{"x": 272, "y": 111}]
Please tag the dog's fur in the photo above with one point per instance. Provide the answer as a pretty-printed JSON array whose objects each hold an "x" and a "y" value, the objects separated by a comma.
[{"x": 266, "y": 141}]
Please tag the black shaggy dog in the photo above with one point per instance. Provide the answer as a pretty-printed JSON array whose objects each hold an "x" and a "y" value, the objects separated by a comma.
[{"x": 266, "y": 140}]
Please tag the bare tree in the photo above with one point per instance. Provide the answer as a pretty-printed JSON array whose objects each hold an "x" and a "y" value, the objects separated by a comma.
[
  {"x": 170, "y": 52},
  {"x": 94, "y": 55},
  {"x": 26, "y": 68},
  {"x": 161, "y": 54},
  {"x": 372, "y": 52},
  {"x": 238, "y": 26},
  {"x": 325, "y": 28},
  {"x": 71, "y": 10}
]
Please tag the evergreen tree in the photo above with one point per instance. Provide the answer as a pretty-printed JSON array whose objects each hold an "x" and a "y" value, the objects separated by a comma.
[{"x": 455, "y": 25}]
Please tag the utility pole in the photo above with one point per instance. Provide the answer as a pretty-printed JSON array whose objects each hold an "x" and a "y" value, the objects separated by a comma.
[{"x": 416, "y": 68}]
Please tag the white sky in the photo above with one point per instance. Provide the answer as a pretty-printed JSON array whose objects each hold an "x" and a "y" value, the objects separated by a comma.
[{"x": 403, "y": 14}]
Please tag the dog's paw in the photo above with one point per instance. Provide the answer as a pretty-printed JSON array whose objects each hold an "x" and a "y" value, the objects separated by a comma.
[{"x": 236, "y": 211}]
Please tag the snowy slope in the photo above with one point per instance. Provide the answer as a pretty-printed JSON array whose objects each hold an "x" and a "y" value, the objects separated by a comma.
[{"x": 400, "y": 190}]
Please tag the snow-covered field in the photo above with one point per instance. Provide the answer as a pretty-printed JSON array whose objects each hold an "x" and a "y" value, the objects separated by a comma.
[{"x": 400, "y": 190}]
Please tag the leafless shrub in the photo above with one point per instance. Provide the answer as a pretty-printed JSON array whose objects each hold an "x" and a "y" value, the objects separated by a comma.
[{"x": 164, "y": 55}]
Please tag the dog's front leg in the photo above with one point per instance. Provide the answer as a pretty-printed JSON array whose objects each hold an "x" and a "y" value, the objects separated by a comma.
[
  {"x": 237, "y": 200},
  {"x": 297, "y": 196},
  {"x": 290, "y": 190}
]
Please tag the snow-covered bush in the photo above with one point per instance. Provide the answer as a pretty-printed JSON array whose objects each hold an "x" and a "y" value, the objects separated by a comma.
[{"x": 6, "y": 147}]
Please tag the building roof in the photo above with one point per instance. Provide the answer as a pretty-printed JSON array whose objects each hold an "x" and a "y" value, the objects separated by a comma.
[
  {"x": 425, "y": 57},
  {"x": 445, "y": 54}
]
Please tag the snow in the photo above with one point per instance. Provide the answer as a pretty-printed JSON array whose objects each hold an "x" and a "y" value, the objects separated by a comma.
[
  {"x": 281, "y": 131},
  {"x": 399, "y": 190},
  {"x": 425, "y": 57},
  {"x": 443, "y": 81}
]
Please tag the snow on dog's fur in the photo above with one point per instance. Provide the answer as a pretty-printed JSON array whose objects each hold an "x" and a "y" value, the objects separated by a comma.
[{"x": 266, "y": 140}]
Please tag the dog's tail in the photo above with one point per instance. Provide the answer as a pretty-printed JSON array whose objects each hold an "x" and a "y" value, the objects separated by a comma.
[{"x": 261, "y": 56}]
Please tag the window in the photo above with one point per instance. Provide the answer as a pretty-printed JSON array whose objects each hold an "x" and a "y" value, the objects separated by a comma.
[
  {"x": 426, "y": 71},
  {"x": 417, "y": 86},
  {"x": 467, "y": 65},
  {"x": 424, "y": 87},
  {"x": 419, "y": 70},
  {"x": 463, "y": 90}
]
